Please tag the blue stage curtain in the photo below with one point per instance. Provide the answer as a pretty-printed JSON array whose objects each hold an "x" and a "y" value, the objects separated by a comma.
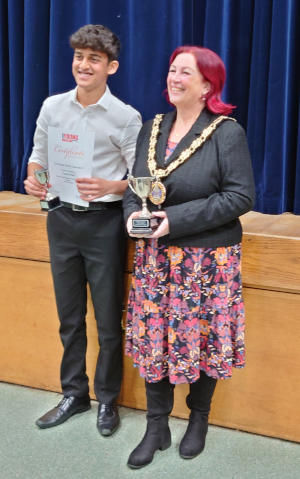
[{"x": 257, "y": 39}]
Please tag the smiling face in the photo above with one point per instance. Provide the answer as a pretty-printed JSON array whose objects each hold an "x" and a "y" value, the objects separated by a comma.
[
  {"x": 186, "y": 85},
  {"x": 91, "y": 68}
]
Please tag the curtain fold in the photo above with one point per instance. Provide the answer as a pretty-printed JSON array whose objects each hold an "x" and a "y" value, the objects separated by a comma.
[
  {"x": 35, "y": 76},
  {"x": 13, "y": 96},
  {"x": 276, "y": 181},
  {"x": 258, "y": 41},
  {"x": 6, "y": 179}
]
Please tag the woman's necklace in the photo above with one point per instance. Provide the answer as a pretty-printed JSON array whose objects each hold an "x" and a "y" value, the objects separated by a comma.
[{"x": 158, "y": 193}]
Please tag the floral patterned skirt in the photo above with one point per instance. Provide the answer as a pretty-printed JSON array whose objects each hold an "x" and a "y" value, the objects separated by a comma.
[{"x": 185, "y": 312}]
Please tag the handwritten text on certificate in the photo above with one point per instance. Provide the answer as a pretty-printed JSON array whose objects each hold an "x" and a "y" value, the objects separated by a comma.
[{"x": 70, "y": 156}]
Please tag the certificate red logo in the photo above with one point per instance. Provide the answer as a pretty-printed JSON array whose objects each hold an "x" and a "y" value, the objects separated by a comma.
[{"x": 68, "y": 137}]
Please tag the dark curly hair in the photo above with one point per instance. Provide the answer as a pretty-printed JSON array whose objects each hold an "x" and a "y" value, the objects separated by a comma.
[{"x": 97, "y": 37}]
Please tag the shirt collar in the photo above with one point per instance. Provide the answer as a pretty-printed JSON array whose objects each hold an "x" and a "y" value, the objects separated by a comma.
[{"x": 104, "y": 101}]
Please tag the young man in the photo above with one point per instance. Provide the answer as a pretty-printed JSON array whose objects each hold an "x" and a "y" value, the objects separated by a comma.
[{"x": 87, "y": 244}]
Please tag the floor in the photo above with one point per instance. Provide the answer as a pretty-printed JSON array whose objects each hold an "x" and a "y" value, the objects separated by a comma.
[{"x": 76, "y": 450}]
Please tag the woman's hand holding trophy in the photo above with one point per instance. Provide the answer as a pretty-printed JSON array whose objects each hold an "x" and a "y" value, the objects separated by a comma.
[{"x": 145, "y": 223}]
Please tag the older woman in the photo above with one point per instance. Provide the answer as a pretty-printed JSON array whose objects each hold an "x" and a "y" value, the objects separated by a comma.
[{"x": 185, "y": 319}]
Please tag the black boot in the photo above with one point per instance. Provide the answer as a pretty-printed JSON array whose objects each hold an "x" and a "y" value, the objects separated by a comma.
[
  {"x": 198, "y": 400},
  {"x": 157, "y": 436}
]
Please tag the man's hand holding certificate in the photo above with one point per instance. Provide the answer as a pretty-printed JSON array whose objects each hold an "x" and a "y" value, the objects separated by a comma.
[{"x": 91, "y": 188}]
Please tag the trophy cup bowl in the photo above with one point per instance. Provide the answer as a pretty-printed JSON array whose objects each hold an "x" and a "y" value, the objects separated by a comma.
[
  {"x": 142, "y": 187},
  {"x": 50, "y": 202}
]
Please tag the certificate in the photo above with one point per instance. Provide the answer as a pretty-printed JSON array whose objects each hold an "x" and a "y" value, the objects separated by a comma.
[{"x": 70, "y": 155}]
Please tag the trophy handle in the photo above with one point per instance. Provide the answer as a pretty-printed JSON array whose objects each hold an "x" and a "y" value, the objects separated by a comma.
[{"x": 130, "y": 178}]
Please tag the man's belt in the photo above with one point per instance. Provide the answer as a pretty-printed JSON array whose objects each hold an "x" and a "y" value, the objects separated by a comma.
[{"x": 94, "y": 205}]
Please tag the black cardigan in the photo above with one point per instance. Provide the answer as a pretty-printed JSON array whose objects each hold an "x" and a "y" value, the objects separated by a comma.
[{"x": 205, "y": 195}]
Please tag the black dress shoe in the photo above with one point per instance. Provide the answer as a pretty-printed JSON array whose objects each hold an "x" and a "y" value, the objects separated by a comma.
[
  {"x": 65, "y": 409},
  {"x": 108, "y": 419}
]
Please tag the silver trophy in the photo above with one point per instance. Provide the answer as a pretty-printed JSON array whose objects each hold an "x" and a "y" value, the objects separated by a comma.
[
  {"x": 142, "y": 187},
  {"x": 50, "y": 202}
]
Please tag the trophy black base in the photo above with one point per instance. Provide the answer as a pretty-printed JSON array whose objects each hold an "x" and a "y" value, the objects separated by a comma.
[
  {"x": 50, "y": 205},
  {"x": 141, "y": 226}
]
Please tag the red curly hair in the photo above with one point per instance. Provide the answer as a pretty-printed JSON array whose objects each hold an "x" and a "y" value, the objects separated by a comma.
[{"x": 213, "y": 70}]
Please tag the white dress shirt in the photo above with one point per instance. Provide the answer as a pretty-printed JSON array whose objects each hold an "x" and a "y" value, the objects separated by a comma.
[{"x": 116, "y": 126}]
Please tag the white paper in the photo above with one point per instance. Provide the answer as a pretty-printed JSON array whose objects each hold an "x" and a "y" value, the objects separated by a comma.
[{"x": 70, "y": 155}]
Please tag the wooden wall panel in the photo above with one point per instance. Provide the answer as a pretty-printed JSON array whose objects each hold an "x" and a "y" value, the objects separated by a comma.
[
  {"x": 271, "y": 262},
  {"x": 271, "y": 251},
  {"x": 24, "y": 226},
  {"x": 25, "y": 236},
  {"x": 29, "y": 344}
]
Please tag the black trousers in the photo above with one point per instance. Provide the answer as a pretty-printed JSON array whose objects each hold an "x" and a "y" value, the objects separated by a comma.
[{"x": 89, "y": 247}]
